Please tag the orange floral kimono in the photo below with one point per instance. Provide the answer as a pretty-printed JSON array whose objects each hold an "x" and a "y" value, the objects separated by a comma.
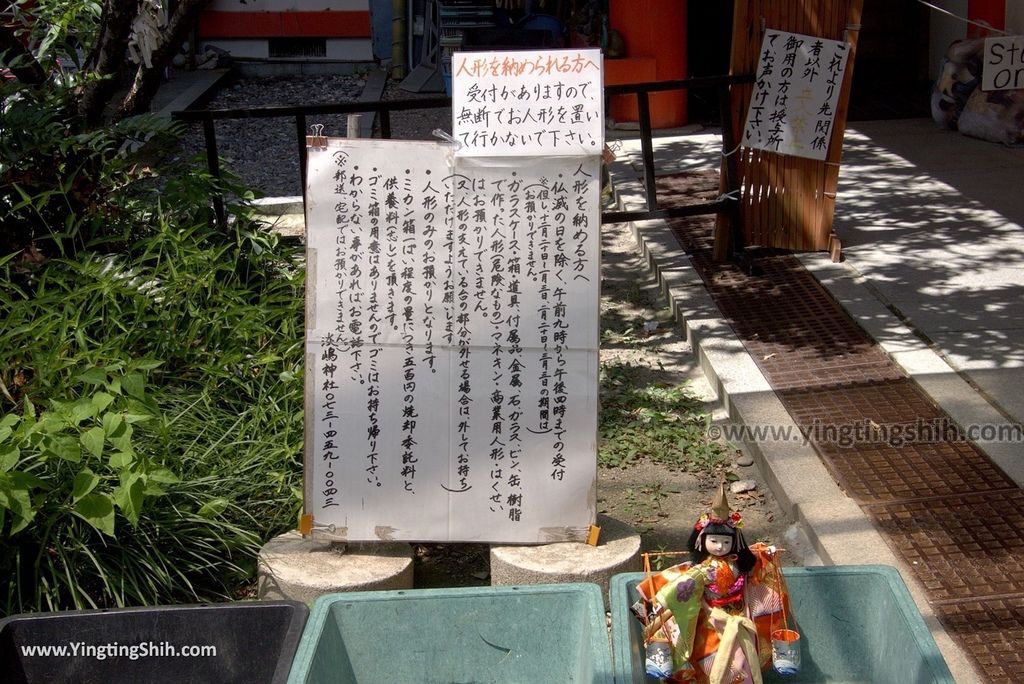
[{"x": 709, "y": 610}]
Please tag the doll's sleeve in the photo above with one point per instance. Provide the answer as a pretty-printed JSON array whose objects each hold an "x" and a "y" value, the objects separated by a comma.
[{"x": 682, "y": 598}]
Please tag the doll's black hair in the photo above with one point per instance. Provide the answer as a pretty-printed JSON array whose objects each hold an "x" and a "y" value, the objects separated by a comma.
[{"x": 745, "y": 558}]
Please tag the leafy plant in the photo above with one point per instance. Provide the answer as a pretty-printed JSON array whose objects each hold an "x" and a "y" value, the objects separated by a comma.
[
  {"x": 642, "y": 419},
  {"x": 93, "y": 510},
  {"x": 62, "y": 185},
  {"x": 151, "y": 404},
  {"x": 644, "y": 504}
]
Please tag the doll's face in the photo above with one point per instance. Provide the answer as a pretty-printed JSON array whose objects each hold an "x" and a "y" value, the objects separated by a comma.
[{"x": 718, "y": 544}]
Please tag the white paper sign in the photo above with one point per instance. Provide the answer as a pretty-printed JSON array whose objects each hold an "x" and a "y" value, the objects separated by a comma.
[
  {"x": 793, "y": 105},
  {"x": 451, "y": 344},
  {"x": 1003, "y": 66},
  {"x": 528, "y": 103}
]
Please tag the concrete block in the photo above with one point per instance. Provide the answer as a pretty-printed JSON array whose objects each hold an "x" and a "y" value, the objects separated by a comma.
[
  {"x": 618, "y": 550},
  {"x": 302, "y": 569}
]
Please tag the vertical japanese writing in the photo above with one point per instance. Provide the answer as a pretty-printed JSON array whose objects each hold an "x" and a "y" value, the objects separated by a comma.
[
  {"x": 581, "y": 266},
  {"x": 539, "y": 234},
  {"x": 452, "y": 351},
  {"x": 778, "y": 119},
  {"x": 463, "y": 271},
  {"x": 489, "y": 215},
  {"x": 329, "y": 421},
  {"x": 559, "y": 323},
  {"x": 408, "y": 253},
  {"x": 514, "y": 350},
  {"x": 371, "y": 379},
  {"x": 826, "y": 114},
  {"x": 432, "y": 210},
  {"x": 793, "y": 106}
]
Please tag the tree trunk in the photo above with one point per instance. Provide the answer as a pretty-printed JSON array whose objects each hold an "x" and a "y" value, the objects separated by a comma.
[
  {"x": 107, "y": 58},
  {"x": 147, "y": 80}
]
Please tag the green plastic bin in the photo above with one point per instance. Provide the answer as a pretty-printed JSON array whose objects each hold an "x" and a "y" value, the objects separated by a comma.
[
  {"x": 529, "y": 634},
  {"x": 857, "y": 623}
]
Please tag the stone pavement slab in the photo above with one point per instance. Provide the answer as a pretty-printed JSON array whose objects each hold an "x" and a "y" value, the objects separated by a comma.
[{"x": 933, "y": 223}]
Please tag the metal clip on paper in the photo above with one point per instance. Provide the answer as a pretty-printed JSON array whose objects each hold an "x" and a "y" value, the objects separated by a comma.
[
  {"x": 447, "y": 137},
  {"x": 317, "y": 139},
  {"x": 307, "y": 526}
]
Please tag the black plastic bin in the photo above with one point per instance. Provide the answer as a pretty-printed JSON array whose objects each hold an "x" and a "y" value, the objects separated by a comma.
[{"x": 252, "y": 641}]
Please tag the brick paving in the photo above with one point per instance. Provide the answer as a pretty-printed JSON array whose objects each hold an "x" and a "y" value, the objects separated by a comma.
[{"x": 941, "y": 504}]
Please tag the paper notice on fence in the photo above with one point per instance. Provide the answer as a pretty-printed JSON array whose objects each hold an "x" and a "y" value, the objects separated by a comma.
[
  {"x": 793, "y": 105},
  {"x": 528, "y": 103},
  {"x": 451, "y": 344}
]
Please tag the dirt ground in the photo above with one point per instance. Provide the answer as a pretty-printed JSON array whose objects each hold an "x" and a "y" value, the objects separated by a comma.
[{"x": 662, "y": 504}]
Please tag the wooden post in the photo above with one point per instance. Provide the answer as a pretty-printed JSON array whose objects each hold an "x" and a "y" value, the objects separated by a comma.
[
  {"x": 353, "y": 125},
  {"x": 835, "y": 150}
]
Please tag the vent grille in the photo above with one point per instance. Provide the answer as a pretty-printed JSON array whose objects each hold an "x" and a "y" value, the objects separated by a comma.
[{"x": 297, "y": 47}]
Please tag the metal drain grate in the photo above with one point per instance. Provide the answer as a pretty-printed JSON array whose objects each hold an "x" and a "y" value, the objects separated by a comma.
[
  {"x": 878, "y": 473},
  {"x": 960, "y": 547},
  {"x": 287, "y": 48},
  {"x": 992, "y": 630},
  {"x": 893, "y": 401}
]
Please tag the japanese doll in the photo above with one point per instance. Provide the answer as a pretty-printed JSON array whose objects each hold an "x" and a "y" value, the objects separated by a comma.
[{"x": 710, "y": 619}]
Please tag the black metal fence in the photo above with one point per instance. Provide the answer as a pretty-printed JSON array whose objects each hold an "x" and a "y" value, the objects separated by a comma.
[{"x": 383, "y": 109}]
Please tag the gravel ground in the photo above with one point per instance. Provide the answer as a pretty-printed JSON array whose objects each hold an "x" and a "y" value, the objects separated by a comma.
[{"x": 262, "y": 152}]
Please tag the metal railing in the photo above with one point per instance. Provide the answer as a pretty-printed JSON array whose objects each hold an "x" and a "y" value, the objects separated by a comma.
[
  {"x": 300, "y": 114},
  {"x": 383, "y": 109},
  {"x": 642, "y": 92}
]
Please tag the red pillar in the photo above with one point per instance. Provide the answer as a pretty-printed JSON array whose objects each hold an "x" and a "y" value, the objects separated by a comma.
[
  {"x": 990, "y": 11},
  {"x": 655, "y": 35}
]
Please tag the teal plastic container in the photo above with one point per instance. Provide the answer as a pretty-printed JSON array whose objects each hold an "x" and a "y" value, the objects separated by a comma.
[
  {"x": 857, "y": 623},
  {"x": 529, "y": 634}
]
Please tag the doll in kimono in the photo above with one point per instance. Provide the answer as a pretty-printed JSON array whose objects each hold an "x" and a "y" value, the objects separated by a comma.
[{"x": 710, "y": 619}]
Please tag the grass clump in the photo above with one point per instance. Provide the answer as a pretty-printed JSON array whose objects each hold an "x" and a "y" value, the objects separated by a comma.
[{"x": 643, "y": 418}]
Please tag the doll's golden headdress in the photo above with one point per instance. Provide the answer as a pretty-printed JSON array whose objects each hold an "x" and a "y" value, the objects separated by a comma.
[{"x": 720, "y": 513}]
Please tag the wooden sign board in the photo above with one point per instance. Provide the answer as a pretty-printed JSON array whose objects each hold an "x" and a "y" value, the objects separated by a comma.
[
  {"x": 1003, "y": 65},
  {"x": 796, "y": 94}
]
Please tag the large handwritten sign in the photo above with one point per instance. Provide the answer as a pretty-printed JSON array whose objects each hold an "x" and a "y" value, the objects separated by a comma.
[
  {"x": 451, "y": 344},
  {"x": 528, "y": 103},
  {"x": 793, "y": 106},
  {"x": 1003, "y": 66}
]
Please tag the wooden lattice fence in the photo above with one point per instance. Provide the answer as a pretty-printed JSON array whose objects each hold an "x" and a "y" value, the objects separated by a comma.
[{"x": 785, "y": 201}]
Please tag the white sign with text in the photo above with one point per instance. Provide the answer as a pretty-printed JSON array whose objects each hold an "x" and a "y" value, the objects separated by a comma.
[
  {"x": 793, "y": 105},
  {"x": 528, "y": 103},
  {"x": 1003, "y": 64},
  {"x": 451, "y": 344}
]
